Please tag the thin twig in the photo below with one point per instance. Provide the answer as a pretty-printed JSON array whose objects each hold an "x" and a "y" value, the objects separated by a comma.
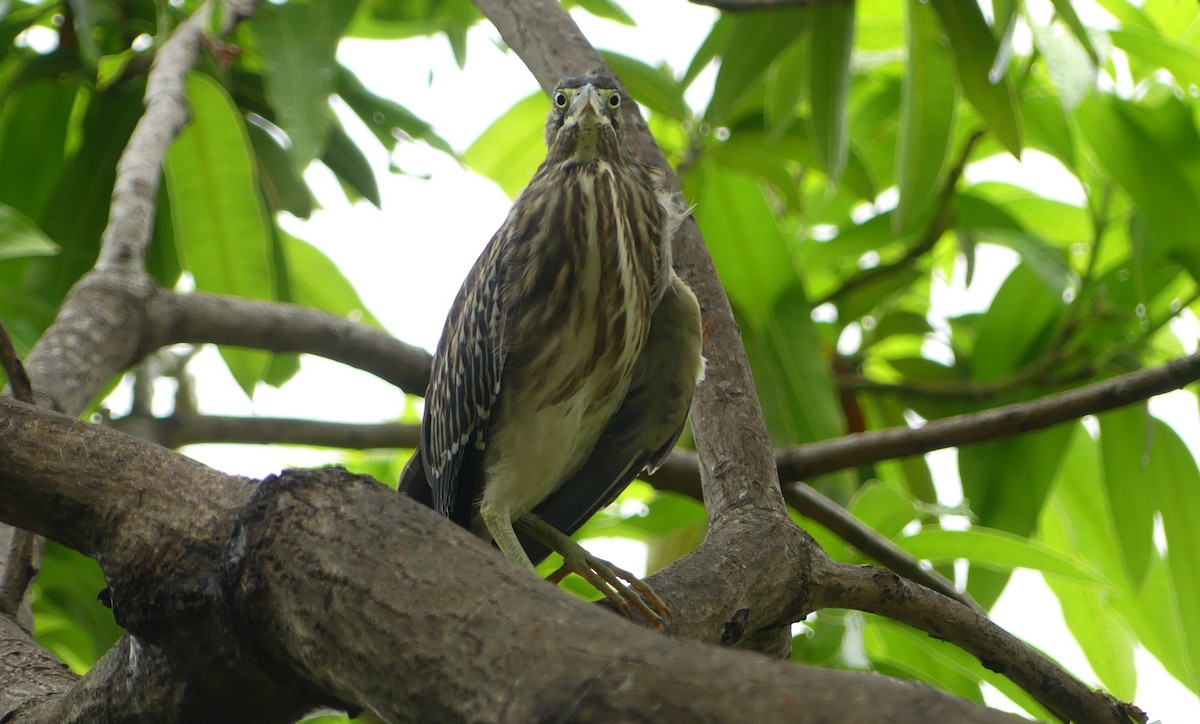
[
  {"x": 801, "y": 462},
  {"x": 19, "y": 565},
  {"x": 10, "y": 362}
]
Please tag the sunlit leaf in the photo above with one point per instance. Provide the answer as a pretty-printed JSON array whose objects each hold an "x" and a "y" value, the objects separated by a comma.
[
  {"x": 974, "y": 51},
  {"x": 654, "y": 88},
  {"x": 1147, "y": 172},
  {"x": 995, "y": 549},
  {"x": 603, "y": 9},
  {"x": 509, "y": 151},
  {"x": 1125, "y": 439},
  {"x": 1176, "y": 480},
  {"x": 1005, "y": 483},
  {"x": 829, "y": 82},
  {"x": 1078, "y": 520},
  {"x": 922, "y": 658},
  {"x": 928, "y": 102},
  {"x": 752, "y": 43},
  {"x": 298, "y": 42},
  {"x": 220, "y": 225},
  {"x": 743, "y": 237},
  {"x": 1182, "y": 60},
  {"x": 19, "y": 236}
]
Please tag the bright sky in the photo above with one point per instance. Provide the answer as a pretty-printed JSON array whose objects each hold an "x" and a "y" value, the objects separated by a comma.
[{"x": 408, "y": 259}]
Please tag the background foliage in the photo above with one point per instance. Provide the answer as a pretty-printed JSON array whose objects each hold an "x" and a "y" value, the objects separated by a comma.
[{"x": 837, "y": 171}]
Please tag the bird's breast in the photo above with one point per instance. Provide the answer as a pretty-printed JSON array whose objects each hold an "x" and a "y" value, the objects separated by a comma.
[{"x": 579, "y": 330}]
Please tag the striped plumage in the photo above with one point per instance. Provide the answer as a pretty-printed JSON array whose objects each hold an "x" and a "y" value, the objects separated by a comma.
[{"x": 570, "y": 355}]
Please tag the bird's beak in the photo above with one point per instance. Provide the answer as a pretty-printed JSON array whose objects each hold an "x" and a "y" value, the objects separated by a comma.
[{"x": 587, "y": 108}]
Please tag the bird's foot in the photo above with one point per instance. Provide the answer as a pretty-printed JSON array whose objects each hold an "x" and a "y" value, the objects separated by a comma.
[{"x": 624, "y": 590}]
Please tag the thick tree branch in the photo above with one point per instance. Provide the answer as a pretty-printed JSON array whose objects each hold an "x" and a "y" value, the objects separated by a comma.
[{"x": 254, "y": 570}]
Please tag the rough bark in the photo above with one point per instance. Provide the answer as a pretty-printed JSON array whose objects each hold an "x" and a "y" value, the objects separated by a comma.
[{"x": 257, "y": 601}]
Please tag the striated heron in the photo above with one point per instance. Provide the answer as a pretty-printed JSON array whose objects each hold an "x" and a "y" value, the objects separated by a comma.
[{"x": 570, "y": 356}]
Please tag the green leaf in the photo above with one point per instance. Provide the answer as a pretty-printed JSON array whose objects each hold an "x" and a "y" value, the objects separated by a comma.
[
  {"x": 318, "y": 283},
  {"x": 922, "y": 658},
  {"x": 928, "y": 103},
  {"x": 1125, "y": 439},
  {"x": 829, "y": 82},
  {"x": 1066, "y": 11},
  {"x": 787, "y": 79},
  {"x": 606, "y": 9},
  {"x": 298, "y": 42},
  {"x": 283, "y": 188},
  {"x": 1148, "y": 172},
  {"x": 755, "y": 39},
  {"x": 884, "y": 507},
  {"x": 1078, "y": 522},
  {"x": 793, "y": 381},
  {"x": 1071, "y": 71},
  {"x": 33, "y": 137},
  {"x": 1005, "y": 483},
  {"x": 220, "y": 226},
  {"x": 1183, "y": 61},
  {"x": 974, "y": 52},
  {"x": 509, "y": 151},
  {"x": 76, "y": 210},
  {"x": 1004, "y": 14},
  {"x": 995, "y": 549},
  {"x": 1156, "y": 618},
  {"x": 654, "y": 88},
  {"x": 344, "y": 157},
  {"x": 387, "y": 119},
  {"x": 743, "y": 236},
  {"x": 1017, "y": 326},
  {"x": 1176, "y": 480},
  {"x": 21, "y": 237}
]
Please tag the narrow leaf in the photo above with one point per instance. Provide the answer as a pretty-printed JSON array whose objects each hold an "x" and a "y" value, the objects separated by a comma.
[
  {"x": 829, "y": 82},
  {"x": 220, "y": 225},
  {"x": 974, "y": 52},
  {"x": 19, "y": 236},
  {"x": 298, "y": 42},
  {"x": 995, "y": 549},
  {"x": 928, "y": 103}
]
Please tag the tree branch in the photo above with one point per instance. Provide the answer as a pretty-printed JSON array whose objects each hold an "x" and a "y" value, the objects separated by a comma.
[
  {"x": 180, "y": 430},
  {"x": 281, "y": 327},
  {"x": 801, "y": 462},
  {"x": 255, "y": 570},
  {"x": 866, "y": 589}
]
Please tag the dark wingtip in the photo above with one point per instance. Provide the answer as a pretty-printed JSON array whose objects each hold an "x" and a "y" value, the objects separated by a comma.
[{"x": 413, "y": 481}]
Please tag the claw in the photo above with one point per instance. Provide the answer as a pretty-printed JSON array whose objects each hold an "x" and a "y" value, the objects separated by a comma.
[{"x": 623, "y": 589}]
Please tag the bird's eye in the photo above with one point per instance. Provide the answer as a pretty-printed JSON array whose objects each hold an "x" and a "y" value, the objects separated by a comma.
[
  {"x": 614, "y": 101},
  {"x": 560, "y": 100}
]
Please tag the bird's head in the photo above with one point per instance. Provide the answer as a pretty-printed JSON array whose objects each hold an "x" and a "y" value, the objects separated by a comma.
[{"x": 585, "y": 119}]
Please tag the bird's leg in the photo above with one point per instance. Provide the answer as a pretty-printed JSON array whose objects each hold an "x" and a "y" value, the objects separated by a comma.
[
  {"x": 620, "y": 587},
  {"x": 500, "y": 526}
]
